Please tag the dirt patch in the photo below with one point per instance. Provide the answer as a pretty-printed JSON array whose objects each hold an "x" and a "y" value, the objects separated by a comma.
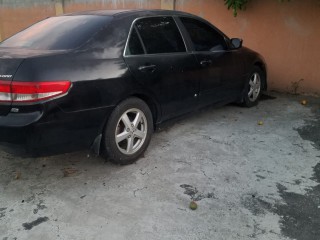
[
  {"x": 300, "y": 214},
  {"x": 311, "y": 131},
  {"x": 256, "y": 204},
  {"x": 30, "y": 225},
  {"x": 194, "y": 194}
]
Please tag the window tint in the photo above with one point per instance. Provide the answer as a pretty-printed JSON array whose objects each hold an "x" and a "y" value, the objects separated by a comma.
[
  {"x": 203, "y": 36},
  {"x": 58, "y": 33},
  {"x": 134, "y": 46},
  {"x": 160, "y": 35}
]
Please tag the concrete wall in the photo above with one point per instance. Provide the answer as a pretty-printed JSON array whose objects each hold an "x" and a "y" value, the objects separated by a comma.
[{"x": 286, "y": 34}]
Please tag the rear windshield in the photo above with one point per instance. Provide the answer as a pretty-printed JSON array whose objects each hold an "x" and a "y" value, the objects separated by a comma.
[{"x": 58, "y": 33}]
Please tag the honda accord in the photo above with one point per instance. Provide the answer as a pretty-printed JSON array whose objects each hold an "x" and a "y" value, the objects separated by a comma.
[{"x": 106, "y": 79}]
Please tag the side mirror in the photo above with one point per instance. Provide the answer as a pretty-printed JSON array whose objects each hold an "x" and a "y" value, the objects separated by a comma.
[{"x": 236, "y": 43}]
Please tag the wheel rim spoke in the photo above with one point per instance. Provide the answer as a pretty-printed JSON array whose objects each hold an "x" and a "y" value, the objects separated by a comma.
[
  {"x": 139, "y": 134},
  {"x": 250, "y": 92},
  {"x": 137, "y": 120},
  {"x": 126, "y": 121},
  {"x": 129, "y": 145},
  {"x": 255, "y": 79},
  {"x": 122, "y": 136}
]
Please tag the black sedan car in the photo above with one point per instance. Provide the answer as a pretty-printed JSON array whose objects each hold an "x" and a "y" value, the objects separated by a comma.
[{"x": 107, "y": 79}]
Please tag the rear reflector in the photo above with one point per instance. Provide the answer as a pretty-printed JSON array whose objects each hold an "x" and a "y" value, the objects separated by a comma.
[{"x": 32, "y": 91}]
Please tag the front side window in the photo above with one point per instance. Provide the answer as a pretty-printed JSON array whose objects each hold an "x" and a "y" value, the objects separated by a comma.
[
  {"x": 160, "y": 35},
  {"x": 203, "y": 36}
]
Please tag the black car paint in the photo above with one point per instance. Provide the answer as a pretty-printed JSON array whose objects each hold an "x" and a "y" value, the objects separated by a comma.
[{"x": 102, "y": 76}]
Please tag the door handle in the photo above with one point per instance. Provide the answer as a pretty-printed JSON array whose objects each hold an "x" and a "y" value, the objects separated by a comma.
[
  {"x": 147, "y": 68},
  {"x": 205, "y": 63}
]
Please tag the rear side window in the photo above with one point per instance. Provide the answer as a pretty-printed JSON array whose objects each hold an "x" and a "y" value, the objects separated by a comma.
[
  {"x": 58, "y": 33},
  {"x": 134, "y": 46},
  {"x": 160, "y": 35},
  {"x": 203, "y": 36}
]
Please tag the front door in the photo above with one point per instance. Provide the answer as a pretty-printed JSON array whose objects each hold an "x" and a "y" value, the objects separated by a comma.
[{"x": 218, "y": 67}]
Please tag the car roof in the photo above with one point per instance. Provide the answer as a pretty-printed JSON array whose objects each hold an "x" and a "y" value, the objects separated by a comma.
[{"x": 129, "y": 12}]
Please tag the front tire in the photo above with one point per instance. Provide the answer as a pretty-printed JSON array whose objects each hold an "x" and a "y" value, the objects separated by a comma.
[
  {"x": 253, "y": 89},
  {"x": 128, "y": 131}
]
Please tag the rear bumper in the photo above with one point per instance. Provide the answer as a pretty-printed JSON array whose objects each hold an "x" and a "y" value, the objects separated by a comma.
[{"x": 41, "y": 133}]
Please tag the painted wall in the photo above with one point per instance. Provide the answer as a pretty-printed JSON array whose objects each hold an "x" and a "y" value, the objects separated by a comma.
[{"x": 286, "y": 34}]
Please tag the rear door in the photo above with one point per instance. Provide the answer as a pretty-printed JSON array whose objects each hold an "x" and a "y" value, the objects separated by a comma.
[
  {"x": 8, "y": 67},
  {"x": 159, "y": 61},
  {"x": 220, "y": 70}
]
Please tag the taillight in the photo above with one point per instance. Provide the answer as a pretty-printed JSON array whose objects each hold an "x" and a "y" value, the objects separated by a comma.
[
  {"x": 32, "y": 91},
  {"x": 5, "y": 91}
]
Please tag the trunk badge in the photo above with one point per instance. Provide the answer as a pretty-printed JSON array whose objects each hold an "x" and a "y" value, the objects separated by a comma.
[
  {"x": 15, "y": 110},
  {"x": 5, "y": 76}
]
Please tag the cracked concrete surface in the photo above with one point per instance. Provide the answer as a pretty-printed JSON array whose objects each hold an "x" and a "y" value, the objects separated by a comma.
[{"x": 250, "y": 182}]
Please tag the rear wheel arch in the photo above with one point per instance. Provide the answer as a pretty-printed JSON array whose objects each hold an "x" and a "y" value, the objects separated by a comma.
[{"x": 153, "y": 106}]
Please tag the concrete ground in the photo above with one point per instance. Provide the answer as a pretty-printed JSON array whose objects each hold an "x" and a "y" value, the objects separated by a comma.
[{"x": 250, "y": 181}]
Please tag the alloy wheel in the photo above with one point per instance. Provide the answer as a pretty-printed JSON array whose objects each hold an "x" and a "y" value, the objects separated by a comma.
[
  {"x": 254, "y": 87},
  {"x": 131, "y": 131}
]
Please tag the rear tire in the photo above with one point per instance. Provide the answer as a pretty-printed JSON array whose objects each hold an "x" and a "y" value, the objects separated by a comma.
[
  {"x": 128, "y": 131},
  {"x": 253, "y": 88}
]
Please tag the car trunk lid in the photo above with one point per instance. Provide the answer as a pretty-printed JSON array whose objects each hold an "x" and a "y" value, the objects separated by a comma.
[{"x": 10, "y": 60}]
